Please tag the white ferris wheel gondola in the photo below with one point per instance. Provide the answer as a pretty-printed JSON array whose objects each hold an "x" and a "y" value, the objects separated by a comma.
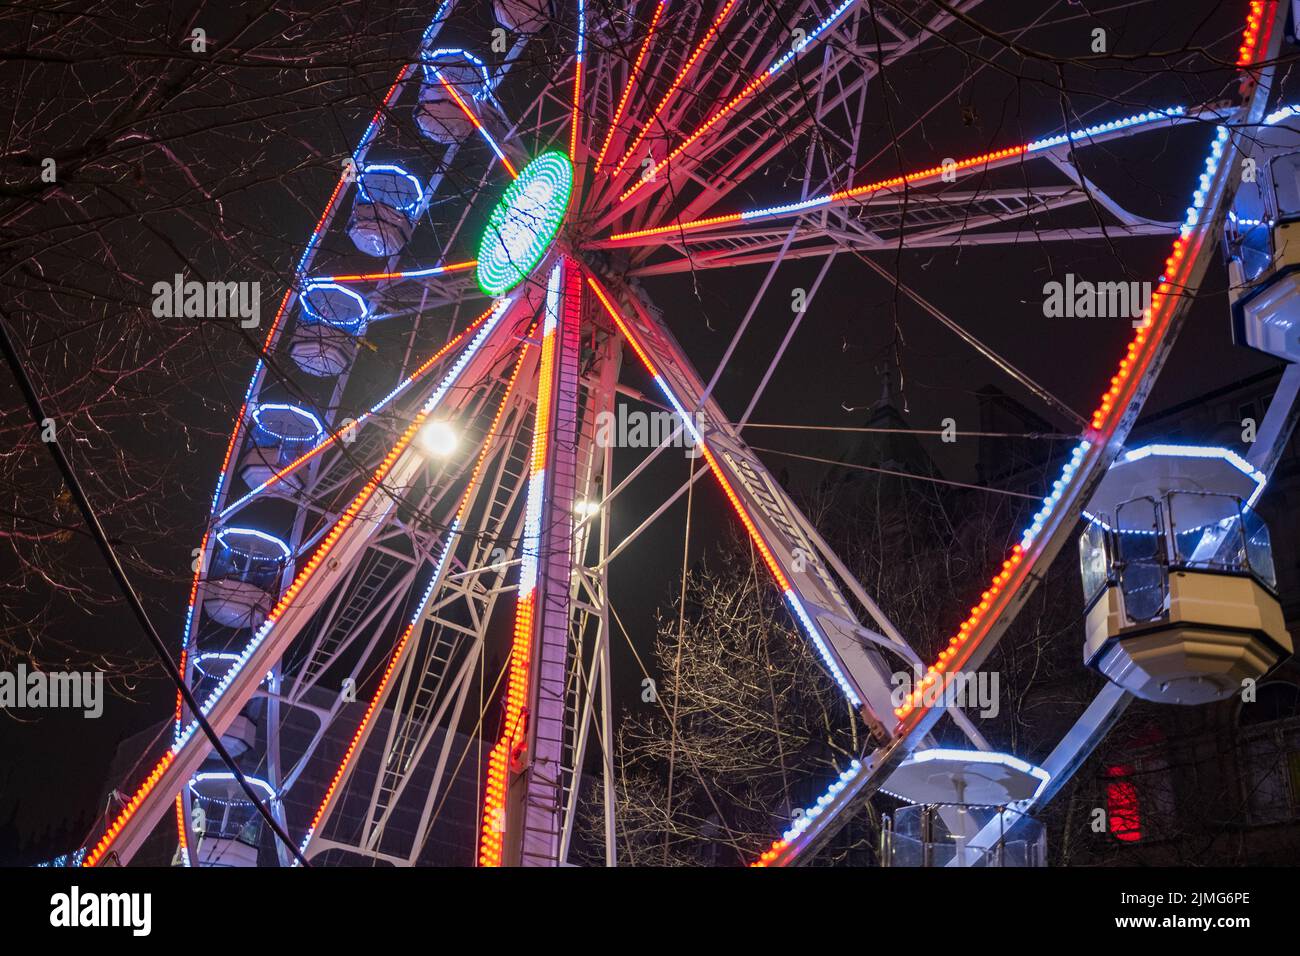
[
  {"x": 1178, "y": 576},
  {"x": 954, "y": 795}
]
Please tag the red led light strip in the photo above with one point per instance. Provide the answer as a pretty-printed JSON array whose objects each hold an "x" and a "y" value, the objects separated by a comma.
[
  {"x": 101, "y": 848},
  {"x": 1138, "y": 358},
  {"x": 573, "y": 125},
  {"x": 839, "y": 197},
  {"x": 304, "y": 575},
  {"x": 768, "y": 559},
  {"x": 400, "y": 649},
  {"x": 708, "y": 124},
  {"x": 672, "y": 89},
  {"x": 679, "y": 227},
  {"x": 464, "y": 108},
  {"x": 492, "y": 835},
  {"x": 982, "y": 158},
  {"x": 194, "y": 591},
  {"x": 1250, "y": 39},
  {"x": 378, "y": 276},
  {"x": 574, "y": 116},
  {"x": 631, "y": 81},
  {"x": 181, "y": 828}
]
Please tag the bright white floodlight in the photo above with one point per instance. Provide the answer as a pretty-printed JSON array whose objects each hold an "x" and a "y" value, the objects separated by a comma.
[{"x": 438, "y": 439}]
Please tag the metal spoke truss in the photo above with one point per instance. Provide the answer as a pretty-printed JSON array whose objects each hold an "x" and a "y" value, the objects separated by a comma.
[{"x": 390, "y": 516}]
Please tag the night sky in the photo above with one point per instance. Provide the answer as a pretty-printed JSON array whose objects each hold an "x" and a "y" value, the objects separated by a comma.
[{"x": 260, "y": 143}]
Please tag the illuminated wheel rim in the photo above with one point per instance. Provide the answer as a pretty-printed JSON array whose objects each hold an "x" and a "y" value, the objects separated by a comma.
[
  {"x": 524, "y": 223},
  {"x": 523, "y": 227}
]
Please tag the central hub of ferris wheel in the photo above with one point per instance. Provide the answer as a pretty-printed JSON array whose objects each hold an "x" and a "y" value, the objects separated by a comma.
[{"x": 523, "y": 225}]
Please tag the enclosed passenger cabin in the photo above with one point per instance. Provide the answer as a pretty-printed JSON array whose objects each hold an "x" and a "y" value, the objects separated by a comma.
[
  {"x": 454, "y": 81},
  {"x": 523, "y": 16},
  {"x": 333, "y": 318},
  {"x": 211, "y": 669},
  {"x": 965, "y": 811},
  {"x": 1178, "y": 576},
  {"x": 244, "y": 576},
  {"x": 388, "y": 200},
  {"x": 232, "y": 827},
  {"x": 280, "y": 434},
  {"x": 1262, "y": 240}
]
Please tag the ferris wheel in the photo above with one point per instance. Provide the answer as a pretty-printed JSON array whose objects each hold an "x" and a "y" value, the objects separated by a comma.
[{"x": 417, "y": 452}]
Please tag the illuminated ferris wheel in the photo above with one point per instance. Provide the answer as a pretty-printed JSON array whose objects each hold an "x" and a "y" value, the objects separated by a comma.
[{"x": 416, "y": 455}]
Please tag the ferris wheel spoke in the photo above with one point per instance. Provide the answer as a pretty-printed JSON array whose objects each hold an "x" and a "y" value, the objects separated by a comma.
[
  {"x": 475, "y": 121},
  {"x": 358, "y": 523},
  {"x": 734, "y": 60},
  {"x": 403, "y": 274},
  {"x": 433, "y": 655},
  {"x": 739, "y": 150},
  {"x": 649, "y": 122},
  {"x": 633, "y": 81},
  {"x": 575, "y": 110},
  {"x": 761, "y": 248},
  {"x": 921, "y": 222},
  {"x": 1053, "y": 525},
  {"x": 822, "y": 170},
  {"x": 742, "y": 151},
  {"x": 652, "y": 172},
  {"x": 767, "y": 515},
  {"x": 898, "y": 189}
]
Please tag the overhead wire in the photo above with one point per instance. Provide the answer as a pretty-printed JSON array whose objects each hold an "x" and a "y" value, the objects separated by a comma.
[{"x": 39, "y": 417}]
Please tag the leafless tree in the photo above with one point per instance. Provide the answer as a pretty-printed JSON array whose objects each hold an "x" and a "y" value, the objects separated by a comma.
[{"x": 747, "y": 728}]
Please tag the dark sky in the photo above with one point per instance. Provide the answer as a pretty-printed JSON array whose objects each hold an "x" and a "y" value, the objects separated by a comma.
[{"x": 273, "y": 169}]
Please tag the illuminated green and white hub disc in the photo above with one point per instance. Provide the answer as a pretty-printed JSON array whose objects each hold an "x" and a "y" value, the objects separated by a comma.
[{"x": 524, "y": 223}]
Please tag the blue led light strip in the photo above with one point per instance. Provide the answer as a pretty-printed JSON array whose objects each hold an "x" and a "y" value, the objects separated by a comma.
[{"x": 262, "y": 632}]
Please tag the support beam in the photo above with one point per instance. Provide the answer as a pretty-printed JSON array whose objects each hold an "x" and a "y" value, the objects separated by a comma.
[
  {"x": 521, "y": 820},
  {"x": 1279, "y": 422},
  {"x": 1056, "y": 522},
  {"x": 768, "y": 514},
  {"x": 1066, "y": 757},
  {"x": 543, "y": 761},
  {"x": 364, "y": 518}
]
